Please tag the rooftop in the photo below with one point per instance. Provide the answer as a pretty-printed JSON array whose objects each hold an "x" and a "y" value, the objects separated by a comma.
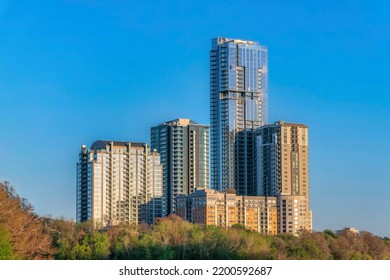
[
  {"x": 220, "y": 40},
  {"x": 181, "y": 122},
  {"x": 102, "y": 144},
  {"x": 283, "y": 123}
]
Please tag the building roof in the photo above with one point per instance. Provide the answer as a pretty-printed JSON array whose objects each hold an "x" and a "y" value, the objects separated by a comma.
[
  {"x": 102, "y": 144},
  {"x": 283, "y": 123},
  {"x": 182, "y": 122},
  {"x": 221, "y": 40}
]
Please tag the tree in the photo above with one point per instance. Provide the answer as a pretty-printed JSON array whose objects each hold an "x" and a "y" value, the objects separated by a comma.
[
  {"x": 331, "y": 233},
  {"x": 6, "y": 252},
  {"x": 27, "y": 234},
  {"x": 78, "y": 241},
  {"x": 376, "y": 246},
  {"x": 99, "y": 244}
]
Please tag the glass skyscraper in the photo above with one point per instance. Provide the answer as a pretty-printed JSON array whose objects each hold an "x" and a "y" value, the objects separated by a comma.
[{"x": 239, "y": 101}]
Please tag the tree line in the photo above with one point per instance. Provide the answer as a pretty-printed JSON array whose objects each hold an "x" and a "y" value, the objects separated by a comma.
[{"x": 24, "y": 235}]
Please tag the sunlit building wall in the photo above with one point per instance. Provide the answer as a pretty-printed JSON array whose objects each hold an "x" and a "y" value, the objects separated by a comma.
[
  {"x": 119, "y": 182},
  {"x": 283, "y": 169},
  {"x": 210, "y": 207}
]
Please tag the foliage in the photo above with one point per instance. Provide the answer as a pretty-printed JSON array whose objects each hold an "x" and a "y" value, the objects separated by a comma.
[
  {"x": 78, "y": 241},
  {"x": 24, "y": 235},
  {"x": 6, "y": 251},
  {"x": 330, "y": 233},
  {"x": 23, "y": 228},
  {"x": 173, "y": 239}
]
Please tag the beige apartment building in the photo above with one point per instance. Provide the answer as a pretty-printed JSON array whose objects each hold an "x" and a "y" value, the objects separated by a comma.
[
  {"x": 283, "y": 171},
  {"x": 210, "y": 207},
  {"x": 119, "y": 182},
  {"x": 292, "y": 214}
]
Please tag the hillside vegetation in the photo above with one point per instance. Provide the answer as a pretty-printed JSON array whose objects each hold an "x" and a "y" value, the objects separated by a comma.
[{"x": 24, "y": 235}]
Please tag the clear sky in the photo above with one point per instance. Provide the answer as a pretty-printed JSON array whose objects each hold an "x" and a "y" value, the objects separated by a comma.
[{"x": 72, "y": 72}]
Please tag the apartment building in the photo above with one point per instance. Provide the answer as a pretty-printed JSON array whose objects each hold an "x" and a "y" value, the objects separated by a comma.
[
  {"x": 210, "y": 207},
  {"x": 283, "y": 170},
  {"x": 238, "y": 105},
  {"x": 184, "y": 149},
  {"x": 119, "y": 182}
]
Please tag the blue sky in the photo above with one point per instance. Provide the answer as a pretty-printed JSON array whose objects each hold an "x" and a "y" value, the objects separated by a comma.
[{"x": 72, "y": 72}]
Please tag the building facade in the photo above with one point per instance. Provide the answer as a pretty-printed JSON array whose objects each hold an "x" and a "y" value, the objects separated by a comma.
[
  {"x": 283, "y": 168},
  {"x": 184, "y": 149},
  {"x": 293, "y": 214},
  {"x": 210, "y": 207},
  {"x": 119, "y": 182},
  {"x": 238, "y": 105}
]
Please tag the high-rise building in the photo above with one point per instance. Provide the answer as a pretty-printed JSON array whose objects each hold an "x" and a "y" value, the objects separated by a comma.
[
  {"x": 283, "y": 169},
  {"x": 119, "y": 182},
  {"x": 293, "y": 214},
  {"x": 184, "y": 149},
  {"x": 238, "y": 103},
  {"x": 209, "y": 207}
]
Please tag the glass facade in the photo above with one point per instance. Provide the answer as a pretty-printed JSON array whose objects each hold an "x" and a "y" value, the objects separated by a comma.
[{"x": 238, "y": 101}]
